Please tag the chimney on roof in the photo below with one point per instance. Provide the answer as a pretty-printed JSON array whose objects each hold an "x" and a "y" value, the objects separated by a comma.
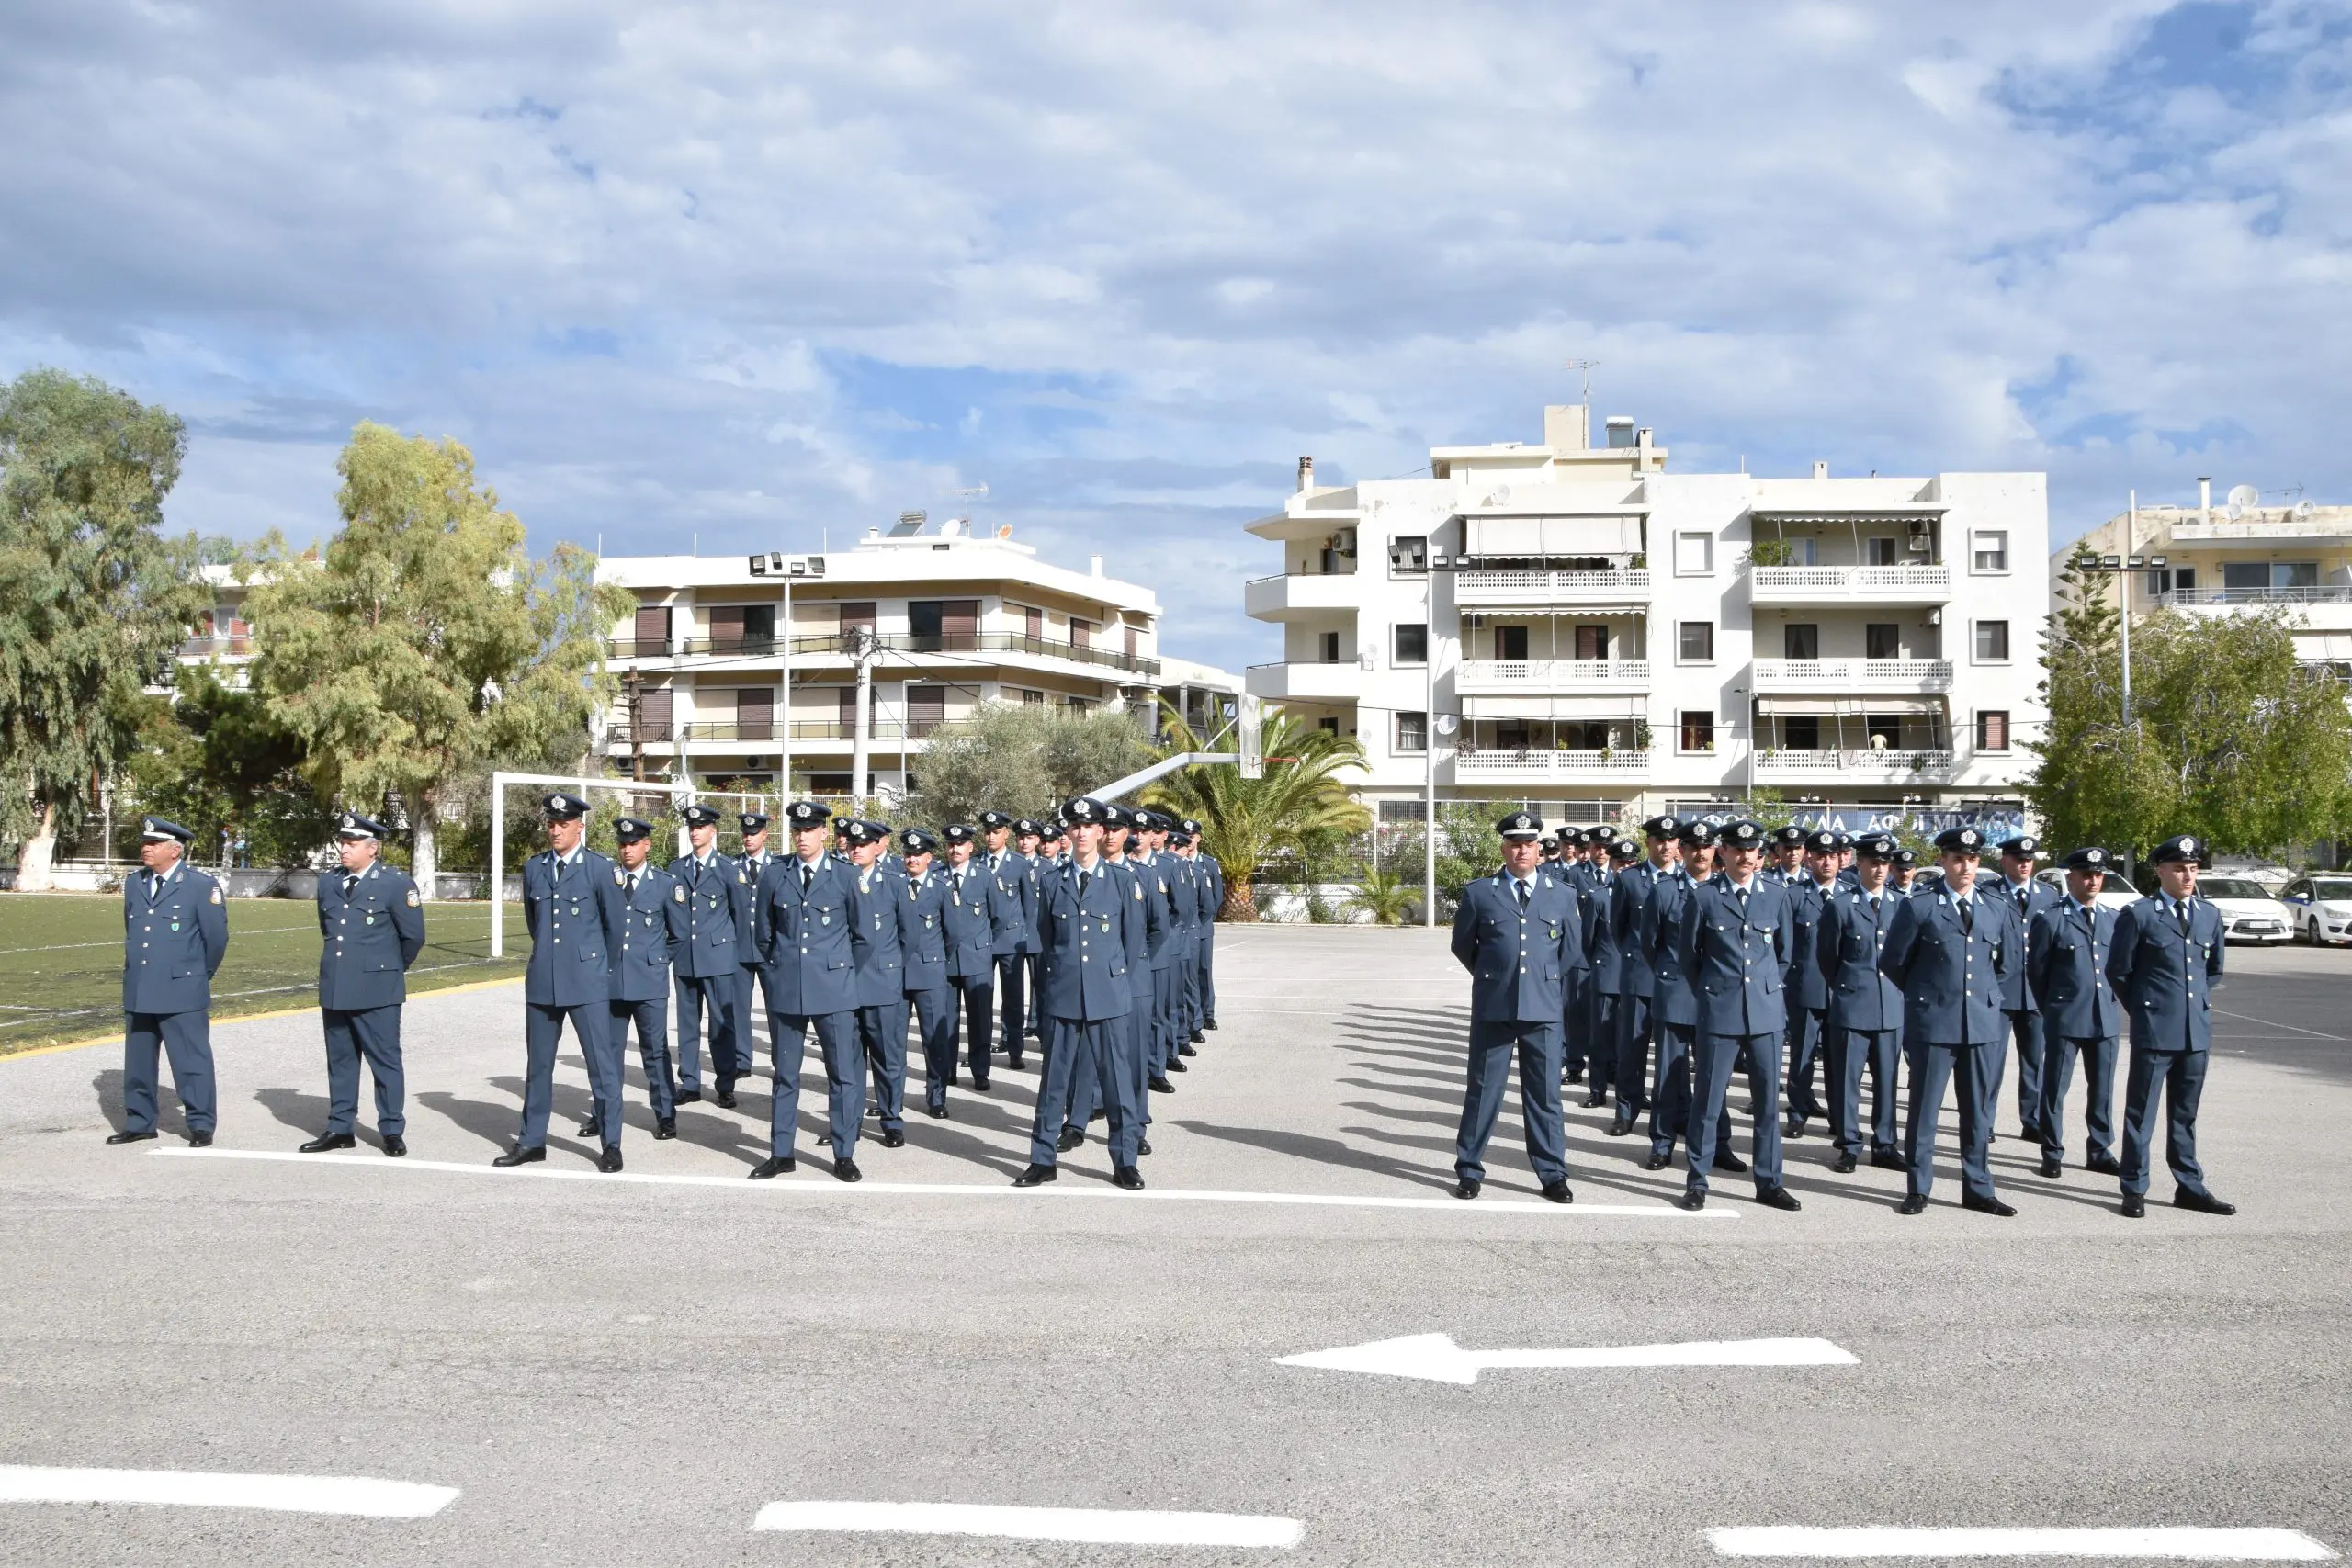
[
  {"x": 1566, "y": 428},
  {"x": 1094, "y": 565},
  {"x": 1306, "y": 475},
  {"x": 1619, "y": 429},
  {"x": 2204, "y": 498}
]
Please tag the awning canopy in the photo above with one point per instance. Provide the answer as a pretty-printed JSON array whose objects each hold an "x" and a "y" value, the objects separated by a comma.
[
  {"x": 1832, "y": 708},
  {"x": 1555, "y": 538},
  {"x": 2324, "y": 645},
  {"x": 1552, "y": 708}
]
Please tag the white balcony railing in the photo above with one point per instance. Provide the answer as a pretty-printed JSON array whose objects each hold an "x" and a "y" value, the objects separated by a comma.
[
  {"x": 1853, "y": 674},
  {"x": 1550, "y": 587},
  {"x": 1549, "y": 674},
  {"x": 2336, "y": 593},
  {"x": 1890, "y": 763},
  {"x": 1863, "y": 583},
  {"x": 1535, "y": 763}
]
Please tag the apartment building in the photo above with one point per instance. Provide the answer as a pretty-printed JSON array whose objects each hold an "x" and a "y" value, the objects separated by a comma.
[
  {"x": 747, "y": 667},
  {"x": 1570, "y": 622},
  {"x": 2242, "y": 557}
]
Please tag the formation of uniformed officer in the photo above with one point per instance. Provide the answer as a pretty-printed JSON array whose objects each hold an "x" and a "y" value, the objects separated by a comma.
[
  {"x": 2167, "y": 954},
  {"x": 1735, "y": 940},
  {"x": 751, "y": 948},
  {"x": 706, "y": 964},
  {"x": 808, "y": 971},
  {"x": 2067, "y": 947},
  {"x": 1628, "y": 898},
  {"x": 174, "y": 934},
  {"x": 371, "y": 926},
  {"x": 878, "y": 921},
  {"x": 1810, "y": 884},
  {"x": 1674, "y": 1005},
  {"x": 1863, "y": 1021},
  {"x": 1015, "y": 908},
  {"x": 571, "y": 908},
  {"x": 656, "y": 920},
  {"x": 2026, "y": 899}
]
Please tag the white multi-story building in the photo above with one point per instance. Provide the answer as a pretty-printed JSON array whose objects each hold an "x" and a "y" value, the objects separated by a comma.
[
  {"x": 1574, "y": 624},
  {"x": 746, "y": 668}
]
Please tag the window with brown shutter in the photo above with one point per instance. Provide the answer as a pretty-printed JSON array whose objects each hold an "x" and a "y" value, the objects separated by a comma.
[
  {"x": 652, "y": 633},
  {"x": 755, "y": 713},
  {"x": 726, "y": 628},
  {"x": 1033, "y": 623},
  {"x": 926, "y": 709},
  {"x": 654, "y": 711},
  {"x": 959, "y": 623},
  {"x": 1081, "y": 632}
]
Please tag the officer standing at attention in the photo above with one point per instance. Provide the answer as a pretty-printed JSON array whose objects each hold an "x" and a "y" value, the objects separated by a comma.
[
  {"x": 878, "y": 948},
  {"x": 2026, "y": 898},
  {"x": 1120, "y": 842},
  {"x": 175, "y": 933},
  {"x": 1088, "y": 921},
  {"x": 719, "y": 908},
  {"x": 1015, "y": 906},
  {"x": 1810, "y": 889},
  {"x": 571, "y": 906},
  {"x": 1952, "y": 950},
  {"x": 1864, "y": 1023},
  {"x": 1786, "y": 867},
  {"x": 1028, "y": 838},
  {"x": 810, "y": 976},
  {"x": 1598, "y": 1022},
  {"x": 2167, "y": 955},
  {"x": 1674, "y": 1005},
  {"x": 1904, "y": 871},
  {"x": 1208, "y": 899},
  {"x": 971, "y": 948},
  {"x": 1735, "y": 939},
  {"x": 654, "y": 926},
  {"x": 1212, "y": 873},
  {"x": 751, "y": 941},
  {"x": 924, "y": 934},
  {"x": 2066, "y": 964},
  {"x": 372, "y": 923},
  {"x": 1628, "y": 898},
  {"x": 1521, "y": 936},
  {"x": 1163, "y": 940}
]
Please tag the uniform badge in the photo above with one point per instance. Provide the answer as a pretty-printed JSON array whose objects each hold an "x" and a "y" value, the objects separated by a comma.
[
  {"x": 413, "y": 899},
  {"x": 618, "y": 880},
  {"x": 1139, "y": 892},
  {"x": 216, "y": 895},
  {"x": 367, "y": 920},
  {"x": 679, "y": 892},
  {"x": 175, "y": 925}
]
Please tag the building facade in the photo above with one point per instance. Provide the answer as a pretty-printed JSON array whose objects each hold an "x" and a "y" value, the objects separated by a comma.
[{"x": 1561, "y": 622}]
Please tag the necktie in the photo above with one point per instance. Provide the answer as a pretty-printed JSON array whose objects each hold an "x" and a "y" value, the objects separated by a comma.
[
  {"x": 2180, "y": 912},
  {"x": 632, "y": 884},
  {"x": 693, "y": 874},
  {"x": 1523, "y": 893},
  {"x": 1967, "y": 917},
  {"x": 1082, "y": 879},
  {"x": 154, "y": 885},
  {"x": 808, "y": 875},
  {"x": 350, "y": 881}
]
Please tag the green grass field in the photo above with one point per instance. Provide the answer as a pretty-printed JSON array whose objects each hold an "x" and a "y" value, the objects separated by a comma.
[{"x": 60, "y": 960}]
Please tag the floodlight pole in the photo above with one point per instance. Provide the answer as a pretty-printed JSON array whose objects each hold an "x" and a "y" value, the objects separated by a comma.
[{"x": 1428, "y": 761}]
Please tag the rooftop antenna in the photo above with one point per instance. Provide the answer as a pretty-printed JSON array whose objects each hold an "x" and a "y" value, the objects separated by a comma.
[
  {"x": 967, "y": 494},
  {"x": 1586, "y": 368}
]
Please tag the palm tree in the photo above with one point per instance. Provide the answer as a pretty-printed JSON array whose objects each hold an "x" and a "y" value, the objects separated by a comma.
[
  {"x": 1383, "y": 896},
  {"x": 1244, "y": 822}
]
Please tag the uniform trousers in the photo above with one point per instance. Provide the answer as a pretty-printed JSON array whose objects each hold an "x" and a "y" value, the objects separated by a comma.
[
  {"x": 2026, "y": 1028},
  {"x": 1012, "y": 1002},
  {"x": 1166, "y": 999},
  {"x": 882, "y": 1030},
  {"x": 1633, "y": 1053},
  {"x": 730, "y": 1039},
  {"x": 1208, "y": 975},
  {"x": 1708, "y": 1125},
  {"x": 1670, "y": 1090},
  {"x": 975, "y": 1000},
  {"x": 1599, "y": 1026},
  {"x": 542, "y": 1032},
  {"x": 1572, "y": 1036},
  {"x": 187, "y": 1039},
  {"x": 1805, "y": 1037},
  {"x": 743, "y": 1065},
  {"x": 1036, "y": 964},
  {"x": 374, "y": 1034},
  {"x": 2098, "y": 1094},
  {"x": 1093, "y": 1049},
  {"x": 2181, "y": 1074},
  {"x": 935, "y": 1013},
  {"x": 1187, "y": 991},
  {"x": 1491, "y": 1044},
  {"x": 1852, "y": 1051},
  {"x": 844, "y": 1078},
  {"x": 652, "y": 1020},
  {"x": 1974, "y": 1071},
  {"x": 1085, "y": 1095}
]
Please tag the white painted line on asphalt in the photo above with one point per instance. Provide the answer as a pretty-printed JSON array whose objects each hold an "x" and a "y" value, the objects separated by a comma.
[
  {"x": 1112, "y": 1527},
  {"x": 2274, "y": 1023},
  {"x": 2190, "y": 1543},
  {"x": 353, "y": 1494},
  {"x": 1435, "y": 1358},
  {"x": 821, "y": 1185}
]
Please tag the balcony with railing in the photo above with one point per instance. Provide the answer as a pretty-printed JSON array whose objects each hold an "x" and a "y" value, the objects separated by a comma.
[
  {"x": 2212, "y": 598},
  {"x": 1849, "y": 584},
  {"x": 1536, "y": 762},
  {"x": 1299, "y": 594},
  {"x": 621, "y": 734},
  {"x": 1859, "y": 676},
  {"x": 1494, "y": 675},
  {"x": 1626, "y": 586},
  {"x": 1873, "y": 764},
  {"x": 835, "y": 645},
  {"x": 1304, "y": 680},
  {"x": 236, "y": 645}
]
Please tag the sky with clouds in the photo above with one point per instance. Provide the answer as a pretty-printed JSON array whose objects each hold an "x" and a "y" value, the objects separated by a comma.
[{"x": 758, "y": 275}]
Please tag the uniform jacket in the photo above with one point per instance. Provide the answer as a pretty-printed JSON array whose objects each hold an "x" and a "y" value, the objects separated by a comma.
[
  {"x": 2065, "y": 968},
  {"x": 971, "y": 922},
  {"x": 1184, "y": 903},
  {"x": 808, "y": 965},
  {"x": 1848, "y": 942},
  {"x": 1737, "y": 959},
  {"x": 1086, "y": 938},
  {"x": 1954, "y": 983},
  {"x": 1671, "y": 999},
  {"x": 1208, "y": 894},
  {"x": 752, "y": 935},
  {"x": 370, "y": 937},
  {"x": 573, "y": 913},
  {"x": 878, "y": 906},
  {"x": 1519, "y": 959},
  {"x": 2166, "y": 978},
  {"x": 2018, "y": 996},
  {"x": 653, "y": 927},
  {"x": 173, "y": 942},
  {"x": 1808, "y": 901},
  {"x": 1629, "y": 898},
  {"x": 923, "y": 931},
  {"x": 1162, "y": 931},
  {"x": 1150, "y": 928},
  {"x": 1015, "y": 908},
  {"x": 718, "y": 909}
]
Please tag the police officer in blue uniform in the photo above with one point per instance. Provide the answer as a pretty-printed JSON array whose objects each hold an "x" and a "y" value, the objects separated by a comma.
[
  {"x": 1090, "y": 916},
  {"x": 655, "y": 912},
  {"x": 1787, "y": 865},
  {"x": 1028, "y": 840},
  {"x": 571, "y": 906},
  {"x": 971, "y": 947},
  {"x": 1810, "y": 888},
  {"x": 174, "y": 934},
  {"x": 1015, "y": 908},
  {"x": 1521, "y": 936},
  {"x": 2066, "y": 964},
  {"x": 1736, "y": 938},
  {"x": 372, "y": 926},
  {"x": 1212, "y": 874},
  {"x": 1674, "y": 1004},
  {"x": 2167, "y": 955},
  {"x": 1903, "y": 873},
  {"x": 1950, "y": 950},
  {"x": 2026, "y": 898},
  {"x": 810, "y": 976},
  {"x": 878, "y": 936},
  {"x": 709, "y": 975},
  {"x": 751, "y": 946},
  {"x": 1123, "y": 849},
  {"x": 1598, "y": 1023},
  {"x": 1628, "y": 899},
  {"x": 1863, "y": 1025},
  {"x": 923, "y": 929}
]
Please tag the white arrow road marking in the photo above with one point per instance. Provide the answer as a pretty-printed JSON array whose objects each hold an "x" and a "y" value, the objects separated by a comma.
[
  {"x": 351, "y": 1495},
  {"x": 821, "y": 1185},
  {"x": 1117, "y": 1526},
  {"x": 1437, "y": 1358},
  {"x": 2192, "y": 1542}
]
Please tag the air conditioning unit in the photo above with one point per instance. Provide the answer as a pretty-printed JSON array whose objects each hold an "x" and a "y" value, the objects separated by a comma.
[
  {"x": 1344, "y": 542},
  {"x": 1922, "y": 540}
]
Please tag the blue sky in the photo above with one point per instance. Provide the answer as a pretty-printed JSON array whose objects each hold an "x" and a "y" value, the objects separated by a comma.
[{"x": 756, "y": 276}]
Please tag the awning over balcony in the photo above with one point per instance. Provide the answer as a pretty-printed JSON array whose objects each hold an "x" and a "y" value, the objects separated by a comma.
[
  {"x": 1538, "y": 706},
  {"x": 1531, "y": 539},
  {"x": 1828, "y": 707},
  {"x": 2331, "y": 646}
]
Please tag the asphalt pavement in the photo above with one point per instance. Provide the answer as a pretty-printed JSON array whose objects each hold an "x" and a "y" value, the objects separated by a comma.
[{"x": 555, "y": 1366}]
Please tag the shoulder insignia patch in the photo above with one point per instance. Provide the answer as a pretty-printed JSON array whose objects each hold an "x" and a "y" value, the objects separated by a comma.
[
  {"x": 618, "y": 880},
  {"x": 1139, "y": 892},
  {"x": 413, "y": 899},
  {"x": 216, "y": 893},
  {"x": 740, "y": 876},
  {"x": 679, "y": 893}
]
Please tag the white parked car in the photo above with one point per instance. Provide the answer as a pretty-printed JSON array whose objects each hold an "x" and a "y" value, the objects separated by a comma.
[
  {"x": 2114, "y": 896},
  {"x": 2320, "y": 907},
  {"x": 2248, "y": 912}
]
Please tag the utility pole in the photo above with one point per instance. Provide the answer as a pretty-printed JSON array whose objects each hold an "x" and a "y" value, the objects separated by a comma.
[
  {"x": 636, "y": 727},
  {"x": 864, "y": 646}
]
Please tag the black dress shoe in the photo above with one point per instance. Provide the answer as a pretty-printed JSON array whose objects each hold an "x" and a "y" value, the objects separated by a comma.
[
  {"x": 1657, "y": 1161},
  {"x": 1597, "y": 1098},
  {"x": 199, "y": 1140},
  {"x": 1557, "y": 1192},
  {"x": 872, "y": 1113},
  {"x": 1143, "y": 1145},
  {"x": 590, "y": 1124},
  {"x": 1187, "y": 1050},
  {"x": 894, "y": 1138},
  {"x": 1129, "y": 1176},
  {"x": 1176, "y": 1065},
  {"x": 1208, "y": 1023},
  {"x": 130, "y": 1137},
  {"x": 1694, "y": 1199},
  {"x": 1621, "y": 1124},
  {"x": 774, "y": 1165},
  {"x": 936, "y": 1112},
  {"x": 1887, "y": 1159},
  {"x": 2135, "y": 1205},
  {"x": 2052, "y": 1166},
  {"x": 664, "y": 1129},
  {"x": 1777, "y": 1198},
  {"x": 1013, "y": 1059},
  {"x": 520, "y": 1157},
  {"x": 1162, "y": 1086},
  {"x": 1071, "y": 1138},
  {"x": 689, "y": 1097},
  {"x": 1726, "y": 1160},
  {"x": 726, "y": 1100},
  {"x": 2104, "y": 1165},
  {"x": 394, "y": 1146},
  {"x": 611, "y": 1160},
  {"x": 846, "y": 1171},
  {"x": 2202, "y": 1203},
  {"x": 1197, "y": 1038},
  {"x": 1915, "y": 1204},
  {"x": 1037, "y": 1176},
  {"x": 1992, "y": 1206},
  {"x": 981, "y": 1085},
  {"x": 1467, "y": 1188},
  {"x": 326, "y": 1141},
  {"x": 1572, "y": 1074},
  {"x": 1844, "y": 1165}
]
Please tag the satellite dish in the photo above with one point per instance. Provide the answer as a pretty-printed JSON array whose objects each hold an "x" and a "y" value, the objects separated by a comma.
[
  {"x": 2237, "y": 510},
  {"x": 2303, "y": 509},
  {"x": 2244, "y": 496},
  {"x": 1501, "y": 495},
  {"x": 1447, "y": 724}
]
